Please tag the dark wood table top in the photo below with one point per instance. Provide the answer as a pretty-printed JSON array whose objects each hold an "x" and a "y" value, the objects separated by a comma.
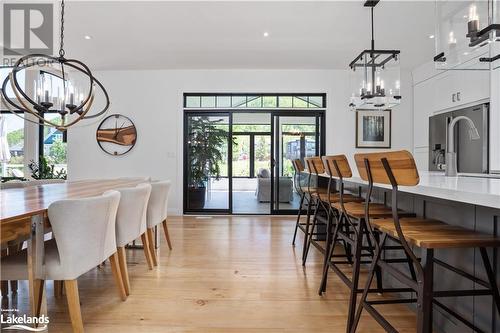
[{"x": 34, "y": 200}]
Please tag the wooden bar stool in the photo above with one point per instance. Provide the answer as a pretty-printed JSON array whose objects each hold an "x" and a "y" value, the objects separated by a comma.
[
  {"x": 323, "y": 199},
  {"x": 298, "y": 168},
  {"x": 395, "y": 169},
  {"x": 314, "y": 168},
  {"x": 352, "y": 229}
]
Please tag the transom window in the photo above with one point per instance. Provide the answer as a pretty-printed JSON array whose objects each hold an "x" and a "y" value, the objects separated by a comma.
[{"x": 254, "y": 101}]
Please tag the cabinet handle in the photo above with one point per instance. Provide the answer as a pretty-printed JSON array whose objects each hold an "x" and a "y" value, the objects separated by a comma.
[
  {"x": 453, "y": 98},
  {"x": 458, "y": 96}
]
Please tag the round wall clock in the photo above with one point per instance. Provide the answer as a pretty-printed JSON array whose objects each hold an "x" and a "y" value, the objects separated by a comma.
[{"x": 116, "y": 134}]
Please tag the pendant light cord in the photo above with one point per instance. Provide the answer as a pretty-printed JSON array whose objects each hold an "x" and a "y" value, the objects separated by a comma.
[
  {"x": 61, "y": 54},
  {"x": 373, "y": 34},
  {"x": 61, "y": 48}
]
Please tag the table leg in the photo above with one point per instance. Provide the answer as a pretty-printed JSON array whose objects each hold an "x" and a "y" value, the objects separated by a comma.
[{"x": 38, "y": 301}]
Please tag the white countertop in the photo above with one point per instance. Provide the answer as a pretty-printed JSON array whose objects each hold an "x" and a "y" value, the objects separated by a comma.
[{"x": 472, "y": 190}]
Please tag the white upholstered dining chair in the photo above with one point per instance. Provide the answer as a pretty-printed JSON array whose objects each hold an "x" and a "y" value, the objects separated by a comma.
[
  {"x": 131, "y": 224},
  {"x": 84, "y": 231},
  {"x": 157, "y": 213}
]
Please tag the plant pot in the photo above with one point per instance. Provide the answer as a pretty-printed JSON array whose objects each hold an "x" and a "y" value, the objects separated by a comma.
[{"x": 196, "y": 197}]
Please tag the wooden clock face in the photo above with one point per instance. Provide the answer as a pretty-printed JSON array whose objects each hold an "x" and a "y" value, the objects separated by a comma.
[{"x": 116, "y": 134}]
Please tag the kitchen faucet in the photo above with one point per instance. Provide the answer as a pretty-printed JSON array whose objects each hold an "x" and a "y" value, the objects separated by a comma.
[{"x": 451, "y": 155}]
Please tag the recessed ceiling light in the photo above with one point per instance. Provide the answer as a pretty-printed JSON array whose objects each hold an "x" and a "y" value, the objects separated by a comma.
[
  {"x": 87, "y": 37},
  {"x": 431, "y": 36},
  {"x": 466, "y": 53},
  {"x": 266, "y": 34}
]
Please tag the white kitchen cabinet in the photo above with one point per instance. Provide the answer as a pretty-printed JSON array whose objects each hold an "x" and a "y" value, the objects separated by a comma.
[
  {"x": 456, "y": 88},
  {"x": 423, "y": 107},
  {"x": 438, "y": 91}
]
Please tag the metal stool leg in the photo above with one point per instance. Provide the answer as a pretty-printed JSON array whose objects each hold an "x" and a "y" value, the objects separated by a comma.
[
  {"x": 348, "y": 247},
  {"x": 368, "y": 283},
  {"x": 298, "y": 217},
  {"x": 378, "y": 270},
  {"x": 306, "y": 233},
  {"x": 425, "y": 293},
  {"x": 316, "y": 210},
  {"x": 328, "y": 256},
  {"x": 355, "y": 276}
]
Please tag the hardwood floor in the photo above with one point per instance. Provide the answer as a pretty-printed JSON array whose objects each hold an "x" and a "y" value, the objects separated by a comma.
[{"x": 224, "y": 274}]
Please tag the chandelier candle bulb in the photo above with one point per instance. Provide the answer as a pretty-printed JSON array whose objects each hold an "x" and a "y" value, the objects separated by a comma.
[
  {"x": 36, "y": 91},
  {"x": 451, "y": 39},
  {"x": 473, "y": 24}
]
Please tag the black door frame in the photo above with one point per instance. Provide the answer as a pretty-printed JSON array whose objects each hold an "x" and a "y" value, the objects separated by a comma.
[
  {"x": 275, "y": 164},
  {"x": 320, "y": 150},
  {"x": 251, "y": 152},
  {"x": 187, "y": 210}
]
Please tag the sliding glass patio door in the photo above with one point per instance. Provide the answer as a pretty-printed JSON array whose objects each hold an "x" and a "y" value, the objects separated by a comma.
[
  {"x": 240, "y": 162},
  {"x": 207, "y": 167},
  {"x": 295, "y": 136},
  {"x": 251, "y": 166}
]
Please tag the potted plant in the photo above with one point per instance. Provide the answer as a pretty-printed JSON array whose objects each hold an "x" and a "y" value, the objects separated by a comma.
[
  {"x": 43, "y": 170},
  {"x": 206, "y": 139}
]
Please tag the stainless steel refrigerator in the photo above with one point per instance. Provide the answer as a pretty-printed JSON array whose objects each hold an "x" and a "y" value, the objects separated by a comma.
[{"x": 472, "y": 155}]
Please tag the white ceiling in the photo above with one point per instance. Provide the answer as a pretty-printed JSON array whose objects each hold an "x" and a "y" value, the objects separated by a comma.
[{"x": 221, "y": 35}]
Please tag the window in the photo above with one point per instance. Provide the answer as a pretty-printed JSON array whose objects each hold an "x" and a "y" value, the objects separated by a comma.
[
  {"x": 52, "y": 145},
  {"x": 51, "y": 142},
  {"x": 4, "y": 71},
  {"x": 254, "y": 101},
  {"x": 14, "y": 128}
]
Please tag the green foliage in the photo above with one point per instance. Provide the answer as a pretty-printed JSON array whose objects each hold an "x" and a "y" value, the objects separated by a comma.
[
  {"x": 57, "y": 152},
  {"x": 43, "y": 170},
  {"x": 17, "y": 159},
  {"x": 262, "y": 148},
  {"x": 14, "y": 137},
  {"x": 241, "y": 147},
  {"x": 207, "y": 139},
  {"x": 287, "y": 168}
]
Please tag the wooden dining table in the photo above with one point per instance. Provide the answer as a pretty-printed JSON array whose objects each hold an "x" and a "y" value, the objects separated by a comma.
[{"x": 24, "y": 210}]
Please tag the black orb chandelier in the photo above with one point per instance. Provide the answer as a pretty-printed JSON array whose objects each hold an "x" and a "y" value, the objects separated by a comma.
[{"x": 70, "y": 100}]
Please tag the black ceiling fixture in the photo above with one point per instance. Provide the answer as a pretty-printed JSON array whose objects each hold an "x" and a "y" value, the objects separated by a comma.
[{"x": 376, "y": 75}]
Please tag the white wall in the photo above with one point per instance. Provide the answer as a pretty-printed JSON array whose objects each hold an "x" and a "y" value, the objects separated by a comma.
[{"x": 153, "y": 100}]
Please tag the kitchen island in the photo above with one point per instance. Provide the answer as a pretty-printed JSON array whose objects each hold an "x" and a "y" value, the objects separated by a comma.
[
  {"x": 469, "y": 202},
  {"x": 467, "y": 188}
]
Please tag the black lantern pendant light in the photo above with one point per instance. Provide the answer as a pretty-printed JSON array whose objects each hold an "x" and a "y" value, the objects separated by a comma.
[
  {"x": 73, "y": 97},
  {"x": 375, "y": 75}
]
